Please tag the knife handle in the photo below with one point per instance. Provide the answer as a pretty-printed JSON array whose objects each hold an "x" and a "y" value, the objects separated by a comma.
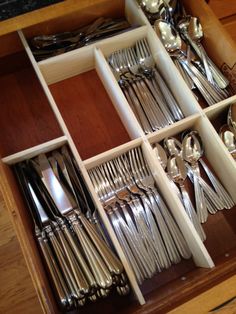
[
  {"x": 98, "y": 267},
  {"x": 112, "y": 262},
  {"x": 62, "y": 292},
  {"x": 78, "y": 255},
  {"x": 71, "y": 282},
  {"x": 80, "y": 279}
]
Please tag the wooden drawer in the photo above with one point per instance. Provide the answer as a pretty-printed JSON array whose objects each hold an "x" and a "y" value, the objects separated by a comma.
[{"x": 74, "y": 98}]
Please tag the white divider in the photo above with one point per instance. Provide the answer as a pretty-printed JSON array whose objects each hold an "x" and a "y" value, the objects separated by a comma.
[
  {"x": 213, "y": 111},
  {"x": 35, "y": 150},
  {"x": 119, "y": 101},
  {"x": 173, "y": 129},
  {"x": 66, "y": 65},
  {"x": 200, "y": 254},
  {"x": 72, "y": 146},
  {"x": 110, "y": 154},
  {"x": 218, "y": 155}
]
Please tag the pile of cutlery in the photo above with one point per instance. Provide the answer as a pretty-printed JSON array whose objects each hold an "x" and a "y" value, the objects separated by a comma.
[
  {"x": 185, "y": 160},
  {"x": 181, "y": 35},
  {"x": 46, "y": 46},
  {"x": 76, "y": 251},
  {"x": 146, "y": 91},
  {"x": 145, "y": 227},
  {"x": 227, "y": 131}
]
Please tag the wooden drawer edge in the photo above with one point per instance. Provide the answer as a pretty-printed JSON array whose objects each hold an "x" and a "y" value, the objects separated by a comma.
[{"x": 16, "y": 220}]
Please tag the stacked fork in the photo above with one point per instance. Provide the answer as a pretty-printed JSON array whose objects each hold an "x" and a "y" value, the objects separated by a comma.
[
  {"x": 146, "y": 91},
  {"x": 142, "y": 222}
]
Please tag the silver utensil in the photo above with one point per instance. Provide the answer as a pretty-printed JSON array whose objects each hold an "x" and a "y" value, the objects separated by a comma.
[{"x": 178, "y": 173}]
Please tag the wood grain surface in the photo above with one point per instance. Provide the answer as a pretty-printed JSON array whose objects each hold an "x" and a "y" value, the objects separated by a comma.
[
  {"x": 17, "y": 293},
  {"x": 26, "y": 117},
  {"x": 89, "y": 114}
]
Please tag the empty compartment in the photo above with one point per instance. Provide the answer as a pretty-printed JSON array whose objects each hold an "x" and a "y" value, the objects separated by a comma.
[
  {"x": 26, "y": 117},
  {"x": 89, "y": 114}
]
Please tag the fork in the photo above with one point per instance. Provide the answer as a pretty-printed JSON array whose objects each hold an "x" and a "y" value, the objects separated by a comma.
[
  {"x": 147, "y": 63},
  {"x": 170, "y": 231}
]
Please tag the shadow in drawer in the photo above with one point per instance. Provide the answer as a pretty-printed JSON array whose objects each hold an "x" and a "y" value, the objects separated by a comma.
[
  {"x": 26, "y": 118},
  {"x": 89, "y": 114}
]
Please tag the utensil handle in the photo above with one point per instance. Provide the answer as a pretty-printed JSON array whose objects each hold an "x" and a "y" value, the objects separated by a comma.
[
  {"x": 63, "y": 262},
  {"x": 98, "y": 267},
  {"x": 191, "y": 213},
  {"x": 79, "y": 256},
  {"x": 112, "y": 262},
  {"x": 199, "y": 197},
  {"x": 81, "y": 281},
  {"x": 144, "y": 122},
  {"x": 213, "y": 196},
  {"x": 121, "y": 238},
  {"x": 61, "y": 290},
  {"x": 164, "y": 260},
  {"x": 223, "y": 194},
  {"x": 178, "y": 238}
]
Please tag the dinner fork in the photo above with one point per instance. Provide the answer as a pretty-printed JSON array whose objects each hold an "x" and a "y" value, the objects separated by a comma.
[
  {"x": 170, "y": 232},
  {"x": 148, "y": 65}
]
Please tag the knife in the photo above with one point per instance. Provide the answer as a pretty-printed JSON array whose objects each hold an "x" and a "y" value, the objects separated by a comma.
[{"x": 69, "y": 210}]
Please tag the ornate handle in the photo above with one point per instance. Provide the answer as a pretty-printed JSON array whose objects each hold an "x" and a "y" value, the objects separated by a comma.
[
  {"x": 191, "y": 213},
  {"x": 63, "y": 294},
  {"x": 112, "y": 262},
  {"x": 98, "y": 267}
]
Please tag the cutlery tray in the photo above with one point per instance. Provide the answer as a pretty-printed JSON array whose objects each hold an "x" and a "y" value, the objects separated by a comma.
[{"x": 74, "y": 99}]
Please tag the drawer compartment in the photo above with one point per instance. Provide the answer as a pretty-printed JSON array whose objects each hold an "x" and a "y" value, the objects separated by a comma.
[
  {"x": 26, "y": 117},
  {"x": 81, "y": 104}
]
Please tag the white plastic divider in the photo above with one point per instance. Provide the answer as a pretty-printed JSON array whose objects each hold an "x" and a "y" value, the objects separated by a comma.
[
  {"x": 35, "y": 150},
  {"x": 200, "y": 254},
  {"x": 110, "y": 154},
  {"x": 127, "y": 267},
  {"x": 66, "y": 65},
  {"x": 214, "y": 110},
  {"x": 174, "y": 128}
]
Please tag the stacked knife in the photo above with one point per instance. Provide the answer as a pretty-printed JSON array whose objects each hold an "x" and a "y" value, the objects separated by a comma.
[{"x": 73, "y": 244}]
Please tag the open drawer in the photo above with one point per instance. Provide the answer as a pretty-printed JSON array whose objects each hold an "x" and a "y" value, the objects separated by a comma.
[{"x": 74, "y": 99}]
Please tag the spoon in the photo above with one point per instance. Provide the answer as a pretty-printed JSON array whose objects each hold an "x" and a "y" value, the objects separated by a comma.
[
  {"x": 162, "y": 157},
  {"x": 220, "y": 190},
  {"x": 228, "y": 139},
  {"x": 196, "y": 34},
  {"x": 231, "y": 118},
  {"x": 173, "y": 44},
  {"x": 178, "y": 173},
  {"x": 191, "y": 153},
  {"x": 183, "y": 27}
]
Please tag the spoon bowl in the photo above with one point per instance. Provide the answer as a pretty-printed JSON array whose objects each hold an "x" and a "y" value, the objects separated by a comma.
[
  {"x": 161, "y": 155},
  {"x": 228, "y": 139},
  {"x": 231, "y": 118},
  {"x": 168, "y": 35}
]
